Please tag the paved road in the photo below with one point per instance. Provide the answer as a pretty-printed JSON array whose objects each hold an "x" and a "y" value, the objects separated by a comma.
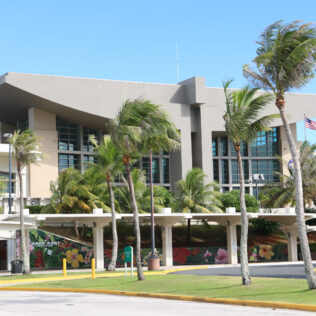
[
  {"x": 55, "y": 304},
  {"x": 293, "y": 271}
]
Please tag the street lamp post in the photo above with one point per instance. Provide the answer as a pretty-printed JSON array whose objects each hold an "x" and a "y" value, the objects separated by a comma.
[
  {"x": 8, "y": 136},
  {"x": 257, "y": 178}
]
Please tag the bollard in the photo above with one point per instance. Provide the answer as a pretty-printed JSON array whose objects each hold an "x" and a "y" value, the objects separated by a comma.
[
  {"x": 64, "y": 267},
  {"x": 93, "y": 268}
]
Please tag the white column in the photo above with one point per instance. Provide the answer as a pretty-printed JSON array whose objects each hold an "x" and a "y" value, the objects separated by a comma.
[
  {"x": 11, "y": 252},
  {"x": 167, "y": 246},
  {"x": 292, "y": 246},
  {"x": 232, "y": 244},
  {"x": 98, "y": 247}
]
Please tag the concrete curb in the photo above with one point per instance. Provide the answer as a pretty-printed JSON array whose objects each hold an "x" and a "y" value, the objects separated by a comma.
[{"x": 280, "y": 305}]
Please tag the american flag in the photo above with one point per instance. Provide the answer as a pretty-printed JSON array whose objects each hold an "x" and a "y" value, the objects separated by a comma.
[{"x": 310, "y": 124}]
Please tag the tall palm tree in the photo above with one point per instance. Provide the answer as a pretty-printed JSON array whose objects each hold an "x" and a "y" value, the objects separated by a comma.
[
  {"x": 136, "y": 123},
  {"x": 286, "y": 59},
  {"x": 165, "y": 137},
  {"x": 283, "y": 193},
  {"x": 242, "y": 124},
  {"x": 25, "y": 151},
  {"x": 109, "y": 163},
  {"x": 193, "y": 196}
]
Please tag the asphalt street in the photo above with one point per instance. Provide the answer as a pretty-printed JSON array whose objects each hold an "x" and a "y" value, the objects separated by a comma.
[
  {"x": 291, "y": 271},
  {"x": 55, "y": 304}
]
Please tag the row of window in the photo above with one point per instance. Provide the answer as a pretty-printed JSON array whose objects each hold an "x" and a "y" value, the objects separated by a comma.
[
  {"x": 69, "y": 137},
  {"x": 264, "y": 145},
  {"x": 267, "y": 167},
  {"x": 160, "y": 166}
]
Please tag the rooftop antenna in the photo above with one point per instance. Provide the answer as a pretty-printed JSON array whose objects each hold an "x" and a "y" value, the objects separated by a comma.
[{"x": 177, "y": 62}]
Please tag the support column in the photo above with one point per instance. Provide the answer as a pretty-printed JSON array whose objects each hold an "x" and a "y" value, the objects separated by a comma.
[
  {"x": 98, "y": 247},
  {"x": 27, "y": 248},
  {"x": 292, "y": 246},
  {"x": 11, "y": 252},
  {"x": 232, "y": 244},
  {"x": 167, "y": 246}
]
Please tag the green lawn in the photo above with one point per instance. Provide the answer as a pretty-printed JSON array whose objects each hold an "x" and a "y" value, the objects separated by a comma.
[{"x": 264, "y": 289}]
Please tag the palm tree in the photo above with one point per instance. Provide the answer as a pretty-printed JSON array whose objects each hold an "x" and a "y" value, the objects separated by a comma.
[
  {"x": 165, "y": 137},
  {"x": 109, "y": 163},
  {"x": 25, "y": 151},
  {"x": 72, "y": 194},
  {"x": 283, "y": 194},
  {"x": 136, "y": 122},
  {"x": 286, "y": 59},
  {"x": 242, "y": 124},
  {"x": 193, "y": 196}
]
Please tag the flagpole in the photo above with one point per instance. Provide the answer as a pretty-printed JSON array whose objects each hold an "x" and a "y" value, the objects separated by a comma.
[{"x": 305, "y": 128}]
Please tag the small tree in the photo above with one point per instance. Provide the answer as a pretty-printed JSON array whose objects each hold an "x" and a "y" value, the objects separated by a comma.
[
  {"x": 25, "y": 151},
  {"x": 232, "y": 199},
  {"x": 193, "y": 196}
]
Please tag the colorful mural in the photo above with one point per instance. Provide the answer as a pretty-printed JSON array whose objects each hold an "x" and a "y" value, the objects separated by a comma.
[{"x": 47, "y": 251}]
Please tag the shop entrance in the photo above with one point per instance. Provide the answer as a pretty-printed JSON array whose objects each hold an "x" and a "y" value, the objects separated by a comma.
[{"x": 3, "y": 254}]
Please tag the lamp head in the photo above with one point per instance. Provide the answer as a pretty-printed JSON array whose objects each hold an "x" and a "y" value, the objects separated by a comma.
[{"x": 7, "y": 135}]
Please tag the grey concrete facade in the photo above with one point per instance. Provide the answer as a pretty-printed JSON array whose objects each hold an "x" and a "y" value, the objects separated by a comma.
[{"x": 196, "y": 110}]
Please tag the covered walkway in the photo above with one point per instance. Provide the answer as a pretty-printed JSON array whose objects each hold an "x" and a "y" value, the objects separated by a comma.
[{"x": 166, "y": 220}]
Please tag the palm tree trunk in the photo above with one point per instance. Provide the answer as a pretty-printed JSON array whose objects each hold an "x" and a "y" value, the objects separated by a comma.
[
  {"x": 112, "y": 265},
  {"x": 24, "y": 247},
  {"x": 140, "y": 273},
  {"x": 153, "y": 246},
  {"x": 245, "y": 275},
  {"x": 299, "y": 208}
]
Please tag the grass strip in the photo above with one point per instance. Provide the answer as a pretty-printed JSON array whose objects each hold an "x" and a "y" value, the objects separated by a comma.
[{"x": 219, "y": 287}]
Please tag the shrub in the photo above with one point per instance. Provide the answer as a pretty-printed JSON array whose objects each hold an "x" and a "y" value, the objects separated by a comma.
[
  {"x": 263, "y": 227},
  {"x": 231, "y": 199},
  {"x": 34, "y": 209}
]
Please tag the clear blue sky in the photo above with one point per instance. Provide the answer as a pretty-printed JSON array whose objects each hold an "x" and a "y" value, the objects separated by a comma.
[{"x": 136, "y": 40}]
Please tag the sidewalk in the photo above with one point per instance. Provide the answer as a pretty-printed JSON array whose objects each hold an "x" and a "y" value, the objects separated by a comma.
[{"x": 163, "y": 268}]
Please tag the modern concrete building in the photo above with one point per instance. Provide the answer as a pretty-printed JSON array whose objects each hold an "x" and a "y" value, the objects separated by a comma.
[{"x": 63, "y": 111}]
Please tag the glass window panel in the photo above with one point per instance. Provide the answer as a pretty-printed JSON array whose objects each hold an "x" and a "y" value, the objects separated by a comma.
[
  {"x": 215, "y": 170},
  {"x": 224, "y": 146},
  {"x": 214, "y": 146},
  {"x": 225, "y": 175},
  {"x": 155, "y": 169},
  {"x": 165, "y": 170}
]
